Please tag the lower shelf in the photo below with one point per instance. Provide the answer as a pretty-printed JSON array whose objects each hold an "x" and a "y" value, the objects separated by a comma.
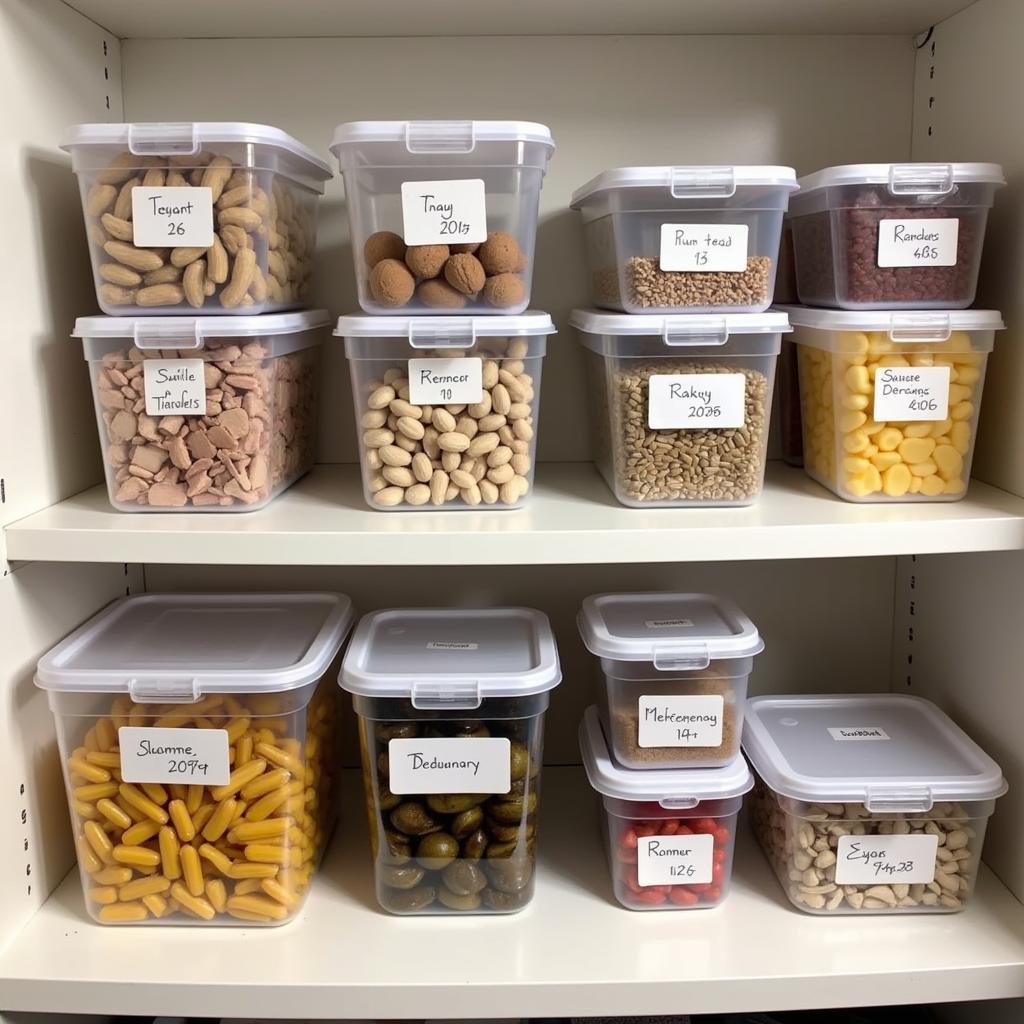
[{"x": 574, "y": 951}]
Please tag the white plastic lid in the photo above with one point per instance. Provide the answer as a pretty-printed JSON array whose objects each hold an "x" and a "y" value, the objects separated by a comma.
[
  {"x": 670, "y": 787},
  {"x": 904, "y": 179},
  {"x": 712, "y": 329},
  {"x": 672, "y": 631},
  {"x": 439, "y": 136},
  {"x": 902, "y": 325},
  {"x": 177, "y": 647},
  {"x": 451, "y": 657},
  {"x": 890, "y": 752},
  {"x": 699, "y": 182},
  {"x": 451, "y": 331}
]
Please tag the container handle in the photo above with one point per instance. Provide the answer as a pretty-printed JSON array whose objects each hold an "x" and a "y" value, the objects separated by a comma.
[
  {"x": 442, "y": 332},
  {"x": 681, "y": 659},
  {"x": 165, "y": 691},
  {"x": 440, "y": 136},
  {"x": 702, "y": 182},
  {"x": 921, "y": 179},
  {"x": 919, "y": 327},
  {"x": 678, "y": 803},
  {"x": 163, "y": 139},
  {"x": 695, "y": 331},
  {"x": 912, "y": 800},
  {"x": 167, "y": 333},
  {"x": 461, "y": 695}
]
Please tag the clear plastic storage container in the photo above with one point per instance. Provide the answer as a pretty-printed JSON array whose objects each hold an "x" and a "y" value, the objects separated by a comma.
[
  {"x": 892, "y": 236},
  {"x": 443, "y": 214},
  {"x": 197, "y": 733},
  {"x": 451, "y": 709},
  {"x": 675, "y": 670},
  {"x": 203, "y": 413},
  {"x": 684, "y": 239},
  {"x": 890, "y": 401},
  {"x": 669, "y": 835},
  {"x": 681, "y": 405},
  {"x": 446, "y": 410},
  {"x": 873, "y": 803},
  {"x": 212, "y": 216}
]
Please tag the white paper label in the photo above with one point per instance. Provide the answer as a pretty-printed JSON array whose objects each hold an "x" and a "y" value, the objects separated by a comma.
[
  {"x": 689, "y": 400},
  {"x": 703, "y": 248},
  {"x": 190, "y": 756},
  {"x": 173, "y": 216},
  {"x": 927, "y": 242},
  {"x": 446, "y": 381},
  {"x": 694, "y": 721},
  {"x": 859, "y": 732},
  {"x": 451, "y": 645},
  {"x": 174, "y": 387},
  {"x": 911, "y": 393},
  {"x": 668, "y": 623},
  {"x": 870, "y": 860},
  {"x": 439, "y": 212},
  {"x": 675, "y": 860},
  {"x": 450, "y": 765}
]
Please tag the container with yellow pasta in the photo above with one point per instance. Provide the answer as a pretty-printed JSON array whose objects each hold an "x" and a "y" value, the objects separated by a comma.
[
  {"x": 889, "y": 401},
  {"x": 197, "y": 738}
]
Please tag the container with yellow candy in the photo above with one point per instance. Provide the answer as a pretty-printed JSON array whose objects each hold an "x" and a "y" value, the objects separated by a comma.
[
  {"x": 889, "y": 401},
  {"x": 197, "y": 736}
]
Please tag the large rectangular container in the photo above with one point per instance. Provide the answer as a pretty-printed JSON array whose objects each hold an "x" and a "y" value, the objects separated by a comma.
[
  {"x": 212, "y": 216},
  {"x": 451, "y": 709},
  {"x": 197, "y": 733},
  {"x": 443, "y": 214}
]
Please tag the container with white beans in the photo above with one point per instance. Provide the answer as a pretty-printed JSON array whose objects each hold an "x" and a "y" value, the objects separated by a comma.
[{"x": 873, "y": 804}]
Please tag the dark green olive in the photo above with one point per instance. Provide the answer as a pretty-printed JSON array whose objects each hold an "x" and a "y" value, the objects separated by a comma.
[
  {"x": 454, "y": 803},
  {"x": 470, "y": 730},
  {"x": 466, "y": 823},
  {"x": 387, "y": 800},
  {"x": 511, "y": 812},
  {"x": 407, "y": 877},
  {"x": 517, "y": 788},
  {"x": 464, "y": 877},
  {"x": 504, "y": 902},
  {"x": 387, "y": 731},
  {"x": 397, "y": 848},
  {"x": 383, "y": 765},
  {"x": 473, "y": 846},
  {"x": 437, "y": 851},
  {"x": 511, "y": 875},
  {"x": 454, "y": 901},
  {"x": 408, "y": 901},
  {"x": 508, "y": 833},
  {"x": 412, "y": 819},
  {"x": 520, "y": 761}
]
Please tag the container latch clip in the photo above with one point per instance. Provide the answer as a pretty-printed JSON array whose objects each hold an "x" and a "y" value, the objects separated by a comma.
[
  {"x": 440, "y": 137},
  {"x": 165, "y": 691},
  {"x": 909, "y": 800},
  {"x": 163, "y": 139},
  {"x": 442, "y": 332},
  {"x": 448, "y": 694}
]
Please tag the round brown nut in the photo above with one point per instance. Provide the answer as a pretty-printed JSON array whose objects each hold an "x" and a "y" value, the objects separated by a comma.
[
  {"x": 465, "y": 273},
  {"x": 500, "y": 254},
  {"x": 504, "y": 290},
  {"x": 438, "y": 294},
  {"x": 465, "y": 247},
  {"x": 383, "y": 245},
  {"x": 426, "y": 261},
  {"x": 391, "y": 284}
]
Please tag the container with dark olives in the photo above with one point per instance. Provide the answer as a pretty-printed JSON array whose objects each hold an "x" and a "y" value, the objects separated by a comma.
[{"x": 451, "y": 710}]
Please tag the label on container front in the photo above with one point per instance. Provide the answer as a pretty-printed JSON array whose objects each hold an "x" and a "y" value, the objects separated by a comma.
[
  {"x": 440, "y": 212},
  {"x": 688, "y": 400},
  {"x": 450, "y": 765},
  {"x": 869, "y": 860},
  {"x": 924, "y": 242},
  {"x": 675, "y": 860},
  {"x": 668, "y": 623},
  {"x": 176, "y": 216},
  {"x": 702, "y": 248},
  {"x": 446, "y": 381},
  {"x": 693, "y": 721},
  {"x": 911, "y": 393},
  {"x": 190, "y": 756},
  {"x": 859, "y": 732},
  {"x": 174, "y": 387}
]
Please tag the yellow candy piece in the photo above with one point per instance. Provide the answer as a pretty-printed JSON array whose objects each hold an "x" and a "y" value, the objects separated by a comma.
[
  {"x": 916, "y": 449},
  {"x": 927, "y": 468},
  {"x": 854, "y": 465},
  {"x": 941, "y": 427},
  {"x": 960, "y": 435},
  {"x": 889, "y": 439},
  {"x": 856, "y": 442},
  {"x": 933, "y": 486},
  {"x": 857, "y": 379},
  {"x": 955, "y": 486},
  {"x": 893, "y": 360},
  {"x": 917, "y": 430},
  {"x": 896, "y": 480},
  {"x": 847, "y": 422},
  {"x": 915, "y": 485},
  {"x": 949, "y": 461},
  {"x": 962, "y": 411},
  {"x": 958, "y": 393},
  {"x": 855, "y": 402},
  {"x": 968, "y": 375},
  {"x": 123, "y": 913}
]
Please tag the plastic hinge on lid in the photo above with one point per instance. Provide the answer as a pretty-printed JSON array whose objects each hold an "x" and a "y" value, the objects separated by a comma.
[
  {"x": 163, "y": 139},
  {"x": 920, "y": 327},
  {"x": 442, "y": 332},
  {"x": 156, "y": 334},
  {"x": 446, "y": 694},
  {"x": 909, "y": 800},
  {"x": 165, "y": 691},
  {"x": 695, "y": 331},
  {"x": 681, "y": 659},
  {"x": 440, "y": 137},
  {"x": 678, "y": 803},
  {"x": 921, "y": 179},
  {"x": 702, "y": 182}
]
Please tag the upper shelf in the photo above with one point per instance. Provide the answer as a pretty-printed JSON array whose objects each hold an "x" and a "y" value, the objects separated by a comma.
[
  {"x": 571, "y": 519},
  {"x": 242, "y": 18}
]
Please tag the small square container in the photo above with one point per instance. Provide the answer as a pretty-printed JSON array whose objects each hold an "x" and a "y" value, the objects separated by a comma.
[
  {"x": 446, "y": 409},
  {"x": 868, "y": 804},
  {"x": 675, "y": 670},
  {"x": 203, "y": 413},
  {"x": 670, "y": 834},
  {"x": 889, "y": 402},
  {"x": 684, "y": 239},
  {"x": 451, "y": 709},
  {"x": 681, "y": 405},
  {"x": 892, "y": 236},
  {"x": 217, "y": 216},
  {"x": 197, "y": 734},
  {"x": 443, "y": 214}
]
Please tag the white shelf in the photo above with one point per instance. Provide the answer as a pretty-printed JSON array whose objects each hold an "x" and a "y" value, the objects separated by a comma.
[
  {"x": 572, "y": 519},
  {"x": 573, "y": 952}
]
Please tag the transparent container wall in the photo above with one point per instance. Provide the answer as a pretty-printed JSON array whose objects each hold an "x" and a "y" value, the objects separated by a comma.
[
  {"x": 702, "y": 466},
  {"x": 453, "y": 853},
  {"x": 182, "y": 853},
  {"x": 264, "y": 224},
  {"x": 425, "y": 279},
  {"x": 423, "y": 457},
  {"x": 630, "y": 692},
  {"x": 789, "y": 404},
  {"x": 835, "y": 241},
  {"x": 630, "y": 828},
  {"x": 785, "y": 279},
  {"x": 257, "y": 434},
  {"x": 862, "y": 459},
  {"x": 807, "y": 844}
]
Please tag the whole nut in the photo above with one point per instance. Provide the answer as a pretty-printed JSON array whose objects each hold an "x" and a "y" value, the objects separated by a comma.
[
  {"x": 504, "y": 290},
  {"x": 500, "y": 253},
  {"x": 383, "y": 245},
  {"x": 391, "y": 284},
  {"x": 438, "y": 294},
  {"x": 465, "y": 273},
  {"x": 426, "y": 260}
]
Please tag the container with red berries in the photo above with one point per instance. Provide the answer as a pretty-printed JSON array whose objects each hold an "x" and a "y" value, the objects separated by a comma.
[{"x": 669, "y": 833}]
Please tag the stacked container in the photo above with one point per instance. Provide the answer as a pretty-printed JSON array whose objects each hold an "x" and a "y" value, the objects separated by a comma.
[{"x": 688, "y": 257}]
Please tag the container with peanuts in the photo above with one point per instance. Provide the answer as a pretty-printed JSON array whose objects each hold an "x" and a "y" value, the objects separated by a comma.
[
  {"x": 868, "y": 804},
  {"x": 211, "y": 216},
  {"x": 890, "y": 401},
  {"x": 197, "y": 735},
  {"x": 446, "y": 409}
]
